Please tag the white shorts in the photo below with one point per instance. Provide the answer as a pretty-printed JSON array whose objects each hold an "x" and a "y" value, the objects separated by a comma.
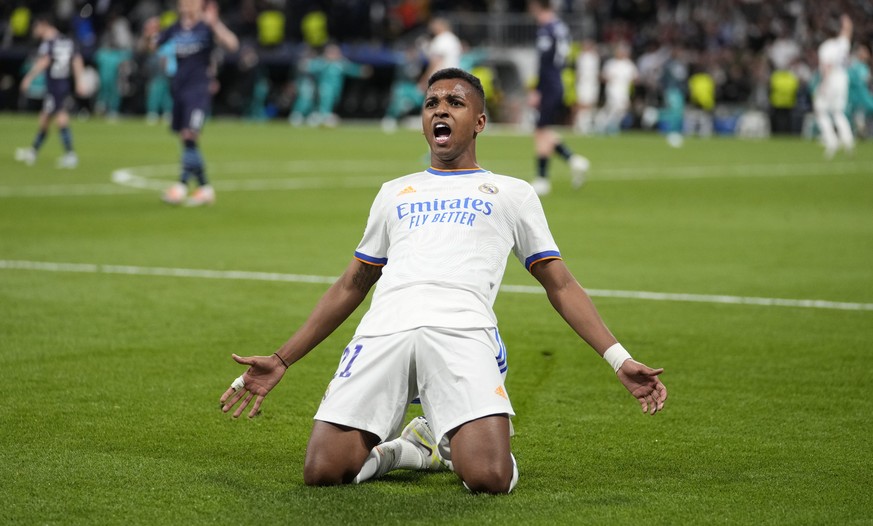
[
  {"x": 833, "y": 94},
  {"x": 588, "y": 93},
  {"x": 457, "y": 373}
]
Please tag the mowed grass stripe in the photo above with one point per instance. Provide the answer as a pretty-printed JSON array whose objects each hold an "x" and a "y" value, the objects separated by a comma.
[
  {"x": 135, "y": 270},
  {"x": 134, "y": 178},
  {"x": 112, "y": 416}
]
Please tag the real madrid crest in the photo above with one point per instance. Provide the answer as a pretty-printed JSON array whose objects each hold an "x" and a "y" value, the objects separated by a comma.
[{"x": 488, "y": 188}]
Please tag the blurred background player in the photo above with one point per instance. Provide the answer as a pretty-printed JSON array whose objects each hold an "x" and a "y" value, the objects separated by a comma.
[
  {"x": 406, "y": 96},
  {"x": 674, "y": 81},
  {"x": 115, "y": 49},
  {"x": 60, "y": 59},
  {"x": 831, "y": 96},
  {"x": 619, "y": 74},
  {"x": 322, "y": 79},
  {"x": 860, "y": 107},
  {"x": 160, "y": 69},
  {"x": 194, "y": 37},
  {"x": 444, "y": 51},
  {"x": 587, "y": 86},
  {"x": 553, "y": 46}
]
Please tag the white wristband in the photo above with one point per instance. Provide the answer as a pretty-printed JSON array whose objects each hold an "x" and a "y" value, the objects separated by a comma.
[{"x": 616, "y": 355}]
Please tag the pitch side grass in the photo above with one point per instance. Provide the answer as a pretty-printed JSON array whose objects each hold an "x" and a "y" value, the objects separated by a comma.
[{"x": 118, "y": 316}]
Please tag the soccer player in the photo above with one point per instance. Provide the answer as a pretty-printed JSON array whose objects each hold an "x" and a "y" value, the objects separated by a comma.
[
  {"x": 831, "y": 96},
  {"x": 587, "y": 86},
  {"x": 327, "y": 75},
  {"x": 160, "y": 69},
  {"x": 60, "y": 59},
  {"x": 553, "y": 46},
  {"x": 194, "y": 37},
  {"x": 674, "y": 79},
  {"x": 860, "y": 106},
  {"x": 619, "y": 74},
  {"x": 405, "y": 92},
  {"x": 437, "y": 243},
  {"x": 444, "y": 51}
]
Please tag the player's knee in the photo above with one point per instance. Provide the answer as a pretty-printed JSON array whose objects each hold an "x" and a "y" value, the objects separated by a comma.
[
  {"x": 493, "y": 478},
  {"x": 321, "y": 468},
  {"x": 321, "y": 472}
]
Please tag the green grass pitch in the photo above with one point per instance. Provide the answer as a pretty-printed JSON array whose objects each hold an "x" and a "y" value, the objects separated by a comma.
[{"x": 112, "y": 374}]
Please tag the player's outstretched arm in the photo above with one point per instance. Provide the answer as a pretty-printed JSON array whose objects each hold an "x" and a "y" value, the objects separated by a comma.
[
  {"x": 573, "y": 304},
  {"x": 337, "y": 304},
  {"x": 846, "y": 27},
  {"x": 40, "y": 65},
  {"x": 223, "y": 36},
  {"x": 148, "y": 41},
  {"x": 78, "y": 70}
]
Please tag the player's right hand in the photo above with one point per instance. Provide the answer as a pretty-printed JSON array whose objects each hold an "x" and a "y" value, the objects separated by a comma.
[
  {"x": 151, "y": 27},
  {"x": 263, "y": 374}
]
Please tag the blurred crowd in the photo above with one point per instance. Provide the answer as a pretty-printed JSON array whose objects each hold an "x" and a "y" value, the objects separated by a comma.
[{"x": 723, "y": 57}]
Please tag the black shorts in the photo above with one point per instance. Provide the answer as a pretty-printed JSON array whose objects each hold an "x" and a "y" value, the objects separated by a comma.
[
  {"x": 55, "y": 100},
  {"x": 190, "y": 110},
  {"x": 551, "y": 109}
]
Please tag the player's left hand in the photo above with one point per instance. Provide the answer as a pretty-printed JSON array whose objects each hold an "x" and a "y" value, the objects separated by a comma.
[
  {"x": 533, "y": 98},
  {"x": 263, "y": 374},
  {"x": 643, "y": 383},
  {"x": 210, "y": 14}
]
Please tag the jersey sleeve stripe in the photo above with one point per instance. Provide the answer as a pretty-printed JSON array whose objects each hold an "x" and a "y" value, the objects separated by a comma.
[
  {"x": 370, "y": 260},
  {"x": 541, "y": 256}
]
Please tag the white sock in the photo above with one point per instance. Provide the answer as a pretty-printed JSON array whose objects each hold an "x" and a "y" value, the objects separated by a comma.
[
  {"x": 514, "y": 480},
  {"x": 396, "y": 454},
  {"x": 410, "y": 456}
]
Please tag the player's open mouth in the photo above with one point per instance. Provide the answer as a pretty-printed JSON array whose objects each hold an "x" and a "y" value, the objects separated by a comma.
[{"x": 441, "y": 133}]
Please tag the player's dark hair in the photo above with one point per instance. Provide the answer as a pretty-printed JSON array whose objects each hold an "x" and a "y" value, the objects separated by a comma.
[
  {"x": 456, "y": 73},
  {"x": 45, "y": 18},
  {"x": 62, "y": 26},
  {"x": 542, "y": 4}
]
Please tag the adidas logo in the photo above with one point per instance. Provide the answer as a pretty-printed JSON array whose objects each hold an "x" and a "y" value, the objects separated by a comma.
[
  {"x": 500, "y": 392},
  {"x": 407, "y": 190}
]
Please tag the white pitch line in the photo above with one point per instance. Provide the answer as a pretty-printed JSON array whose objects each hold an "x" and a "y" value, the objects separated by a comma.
[
  {"x": 671, "y": 173},
  {"x": 132, "y": 179},
  {"x": 64, "y": 190},
  {"x": 709, "y": 298},
  {"x": 135, "y": 270}
]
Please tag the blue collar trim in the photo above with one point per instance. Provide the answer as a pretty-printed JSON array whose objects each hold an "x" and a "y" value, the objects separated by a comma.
[{"x": 444, "y": 173}]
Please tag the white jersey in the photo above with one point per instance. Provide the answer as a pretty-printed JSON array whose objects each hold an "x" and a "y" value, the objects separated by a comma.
[
  {"x": 833, "y": 58},
  {"x": 619, "y": 74},
  {"x": 447, "y": 48},
  {"x": 588, "y": 78},
  {"x": 443, "y": 238}
]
